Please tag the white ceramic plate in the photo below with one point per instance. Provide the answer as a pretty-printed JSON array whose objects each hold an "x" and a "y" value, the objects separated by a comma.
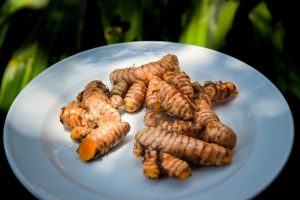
[{"x": 44, "y": 158}]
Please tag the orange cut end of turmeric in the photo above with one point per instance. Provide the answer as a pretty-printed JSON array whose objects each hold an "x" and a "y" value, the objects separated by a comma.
[
  {"x": 185, "y": 174},
  {"x": 87, "y": 149}
]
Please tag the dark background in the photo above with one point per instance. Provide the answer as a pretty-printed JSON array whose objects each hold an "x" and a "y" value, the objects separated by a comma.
[{"x": 242, "y": 42}]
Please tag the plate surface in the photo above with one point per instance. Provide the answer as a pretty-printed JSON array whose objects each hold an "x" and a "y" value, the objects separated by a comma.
[{"x": 44, "y": 159}]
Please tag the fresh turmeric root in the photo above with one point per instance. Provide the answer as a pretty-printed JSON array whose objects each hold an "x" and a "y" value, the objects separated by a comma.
[
  {"x": 181, "y": 81},
  {"x": 95, "y": 122},
  {"x": 151, "y": 98},
  {"x": 135, "y": 96},
  {"x": 155, "y": 164},
  {"x": 78, "y": 133},
  {"x": 219, "y": 90},
  {"x": 116, "y": 101},
  {"x": 75, "y": 115},
  {"x": 184, "y": 147},
  {"x": 174, "y": 167},
  {"x": 165, "y": 122},
  {"x": 95, "y": 88},
  {"x": 102, "y": 139},
  {"x": 172, "y": 101},
  {"x": 145, "y": 72},
  {"x": 151, "y": 166},
  {"x": 120, "y": 88},
  {"x": 214, "y": 130},
  {"x": 181, "y": 113}
]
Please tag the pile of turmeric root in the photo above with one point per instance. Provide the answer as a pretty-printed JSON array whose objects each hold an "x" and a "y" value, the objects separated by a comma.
[{"x": 181, "y": 128}]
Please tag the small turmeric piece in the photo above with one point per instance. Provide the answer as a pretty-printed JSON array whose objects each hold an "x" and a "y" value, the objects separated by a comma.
[
  {"x": 184, "y": 147},
  {"x": 154, "y": 164},
  {"x": 174, "y": 167},
  {"x": 151, "y": 166},
  {"x": 116, "y": 101},
  {"x": 102, "y": 139},
  {"x": 219, "y": 90},
  {"x": 135, "y": 97}
]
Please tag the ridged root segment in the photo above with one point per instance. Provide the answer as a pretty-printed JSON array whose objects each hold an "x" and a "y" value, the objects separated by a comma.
[
  {"x": 135, "y": 97},
  {"x": 170, "y": 124},
  {"x": 152, "y": 100},
  {"x": 184, "y": 147},
  {"x": 214, "y": 130},
  {"x": 181, "y": 81},
  {"x": 151, "y": 167},
  {"x": 75, "y": 115},
  {"x": 173, "y": 102},
  {"x": 219, "y": 133},
  {"x": 219, "y": 90},
  {"x": 174, "y": 167},
  {"x": 155, "y": 163},
  {"x": 96, "y": 89},
  {"x": 101, "y": 140},
  {"x": 103, "y": 112},
  {"x": 78, "y": 133},
  {"x": 146, "y": 71},
  {"x": 120, "y": 88},
  {"x": 116, "y": 101}
]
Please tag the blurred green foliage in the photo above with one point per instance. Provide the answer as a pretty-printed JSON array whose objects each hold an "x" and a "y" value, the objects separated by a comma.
[{"x": 37, "y": 33}]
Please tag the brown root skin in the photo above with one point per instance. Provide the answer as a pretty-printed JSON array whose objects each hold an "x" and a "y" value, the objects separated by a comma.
[
  {"x": 214, "y": 130},
  {"x": 151, "y": 98},
  {"x": 219, "y": 91},
  {"x": 170, "y": 124},
  {"x": 78, "y": 133},
  {"x": 100, "y": 140},
  {"x": 116, "y": 101},
  {"x": 95, "y": 88},
  {"x": 197, "y": 87},
  {"x": 181, "y": 81},
  {"x": 120, "y": 88},
  {"x": 155, "y": 163},
  {"x": 138, "y": 150},
  {"x": 135, "y": 97},
  {"x": 145, "y": 72},
  {"x": 173, "y": 102},
  {"x": 151, "y": 167},
  {"x": 219, "y": 133},
  {"x": 174, "y": 167},
  {"x": 74, "y": 115}
]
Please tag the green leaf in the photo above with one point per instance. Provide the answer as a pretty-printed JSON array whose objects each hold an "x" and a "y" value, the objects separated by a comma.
[
  {"x": 209, "y": 23},
  {"x": 24, "y": 65},
  {"x": 12, "y": 6},
  {"x": 224, "y": 23},
  {"x": 261, "y": 18}
]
